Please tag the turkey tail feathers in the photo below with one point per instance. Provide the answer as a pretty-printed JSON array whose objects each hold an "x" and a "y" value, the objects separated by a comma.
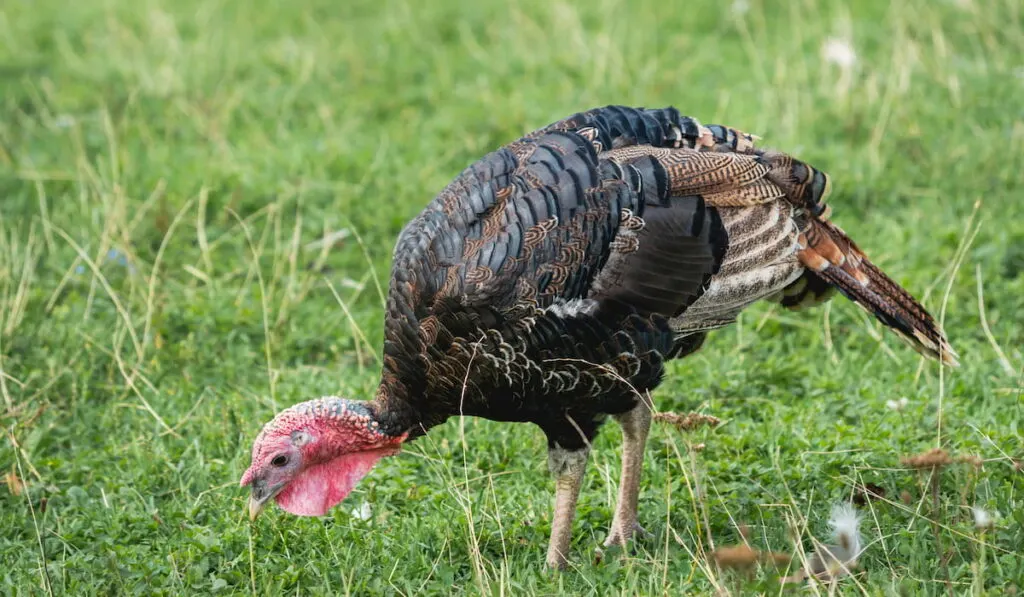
[{"x": 831, "y": 255}]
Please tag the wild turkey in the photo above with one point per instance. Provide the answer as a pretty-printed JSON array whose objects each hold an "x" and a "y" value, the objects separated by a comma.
[{"x": 552, "y": 279}]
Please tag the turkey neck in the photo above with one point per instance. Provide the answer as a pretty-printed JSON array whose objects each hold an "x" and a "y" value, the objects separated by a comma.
[{"x": 396, "y": 416}]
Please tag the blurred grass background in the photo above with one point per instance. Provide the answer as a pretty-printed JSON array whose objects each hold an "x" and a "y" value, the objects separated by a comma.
[{"x": 198, "y": 202}]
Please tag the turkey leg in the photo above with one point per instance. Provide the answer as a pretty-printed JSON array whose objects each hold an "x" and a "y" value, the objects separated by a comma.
[
  {"x": 635, "y": 427},
  {"x": 568, "y": 467}
]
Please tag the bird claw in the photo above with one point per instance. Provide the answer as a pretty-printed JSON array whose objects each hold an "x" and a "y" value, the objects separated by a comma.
[{"x": 621, "y": 537}]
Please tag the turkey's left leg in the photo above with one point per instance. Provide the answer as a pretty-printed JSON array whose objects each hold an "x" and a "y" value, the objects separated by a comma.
[
  {"x": 636, "y": 425},
  {"x": 568, "y": 467}
]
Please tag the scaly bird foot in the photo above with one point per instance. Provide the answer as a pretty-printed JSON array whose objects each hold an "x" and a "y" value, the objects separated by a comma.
[{"x": 622, "y": 534}]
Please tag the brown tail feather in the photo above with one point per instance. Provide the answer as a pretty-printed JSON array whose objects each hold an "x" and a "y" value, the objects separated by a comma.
[{"x": 830, "y": 254}]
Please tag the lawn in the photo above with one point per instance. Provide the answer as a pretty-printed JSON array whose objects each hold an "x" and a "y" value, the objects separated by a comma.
[{"x": 198, "y": 202}]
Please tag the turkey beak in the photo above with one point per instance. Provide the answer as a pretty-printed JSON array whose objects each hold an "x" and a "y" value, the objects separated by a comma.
[
  {"x": 255, "y": 507},
  {"x": 259, "y": 497}
]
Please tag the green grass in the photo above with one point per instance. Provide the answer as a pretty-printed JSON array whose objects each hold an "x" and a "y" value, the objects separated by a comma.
[{"x": 167, "y": 168}]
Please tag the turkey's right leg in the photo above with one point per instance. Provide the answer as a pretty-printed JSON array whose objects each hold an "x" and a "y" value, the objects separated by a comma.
[
  {"x": 636, "y": 424},
  {"x": 568, "y": 467}
]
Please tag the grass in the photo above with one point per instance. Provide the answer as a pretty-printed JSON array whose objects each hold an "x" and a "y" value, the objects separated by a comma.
[{"x": 169, "y": 172}]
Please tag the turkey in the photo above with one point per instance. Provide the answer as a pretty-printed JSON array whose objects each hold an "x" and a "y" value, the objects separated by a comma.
[{"x": 551, "y": 281}]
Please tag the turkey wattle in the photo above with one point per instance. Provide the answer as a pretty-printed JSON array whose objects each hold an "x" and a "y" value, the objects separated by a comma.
[{"x": 552, "y": 279}]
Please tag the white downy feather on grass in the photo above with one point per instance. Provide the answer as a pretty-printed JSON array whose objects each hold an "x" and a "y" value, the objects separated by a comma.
[
  {"x": 834, "y": 560},
  {"x": 983, "y": 519},
  {"x": 845, "y": 523}
]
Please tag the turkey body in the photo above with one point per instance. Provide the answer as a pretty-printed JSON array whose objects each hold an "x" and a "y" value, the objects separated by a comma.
[{"x": 551, "y": 281}]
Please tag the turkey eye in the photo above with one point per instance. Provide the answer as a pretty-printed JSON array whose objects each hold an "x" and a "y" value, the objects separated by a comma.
[{"x": 279, "y": 460}]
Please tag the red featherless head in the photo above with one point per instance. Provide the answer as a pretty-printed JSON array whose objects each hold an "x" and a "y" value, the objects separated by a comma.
[{"x": 310, "y": 456}]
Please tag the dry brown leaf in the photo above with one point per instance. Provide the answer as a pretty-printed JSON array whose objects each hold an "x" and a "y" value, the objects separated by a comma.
[
  {"x": 932, "y": 459},
  {"x": 688, "y": 422},
  {"x": 14, "y": 483}
]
